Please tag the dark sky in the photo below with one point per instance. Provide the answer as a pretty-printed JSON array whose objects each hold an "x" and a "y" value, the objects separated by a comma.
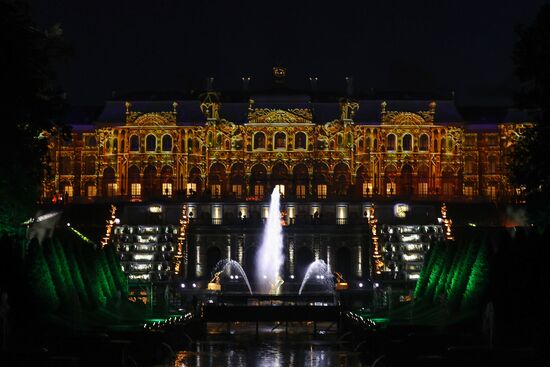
[{"x": 390, "y": 45}]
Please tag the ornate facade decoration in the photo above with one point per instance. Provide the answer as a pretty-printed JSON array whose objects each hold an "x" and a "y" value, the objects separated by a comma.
[{"x": 153, "y": 155}]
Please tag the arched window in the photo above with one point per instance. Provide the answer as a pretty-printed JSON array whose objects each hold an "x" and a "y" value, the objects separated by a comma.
[
  {"x": 443, "y": 145},
  {"x": 423, "y": 143},
  {"x": 469, "y": 165},
  {"x": 492, "y": 164},
  {"x": 259, "y": 140},
  {"x": 407, "y": 142},
  {"x": 166, "y": 143},
  {"x": 435, "y": 146},
  {"x": 391, "y": 142},
  {"x": 280, "y": 140},
  {"x": 340, "y": 141},
  {"x": 65, "y": 165},
  {"x": 151, "y": 143},
  {"x": 300, "y": 140}
]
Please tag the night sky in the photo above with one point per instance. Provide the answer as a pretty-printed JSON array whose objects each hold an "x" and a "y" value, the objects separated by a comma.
[{"x": 386, "y": 45}]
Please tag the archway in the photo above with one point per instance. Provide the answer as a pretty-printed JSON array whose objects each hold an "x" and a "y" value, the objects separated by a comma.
[
  {"x": 390, "y": 174},
  {"x": 301, "y": 180},
  {"x": 194, "y": 185},
  {"x": 109, "y": 182},
  {"x": 216, "y": 180},
  {"x": 149, "y": 180},
  {"x": 237, "y": 180},
  {"x": 406, "y": 187},
  {"x": 213, "y": 256},
  {"x": 258, "y": 179},
  {"x": 250, "y": 261},
  {"x": 279, "y": 176},
  {"x": 343, "y": 262},
  {"x": 341, "y": 179},
  {"x": 304, "y": 257},
  {"x": 167, "y": 180},
  {"x": 363, "y": 184},
  {"x": 134, "y": 181}
]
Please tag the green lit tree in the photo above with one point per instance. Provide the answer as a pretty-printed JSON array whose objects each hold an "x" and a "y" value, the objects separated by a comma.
[
  {"x": 114, "y": 264},
  {"x": 104, "y": 267},
  {"x": 40, "y": 283},
  {"x": 462, "y": 274},
  {"x": 450, "y": 255},
  {"x": 425, "y": 273},
  {"x": 52, "y": 258},
  {"x": 76, "y": 273},
  {"x": 478, "y": 280}
]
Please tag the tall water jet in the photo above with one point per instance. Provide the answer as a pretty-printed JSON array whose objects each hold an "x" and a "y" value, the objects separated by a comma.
[{"x": 270, "y": 256}]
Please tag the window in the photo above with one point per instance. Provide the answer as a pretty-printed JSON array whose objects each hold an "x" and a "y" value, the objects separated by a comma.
[
  {"x": 67, "y": 190},
  {"x": 367, "y": 189},
  {"x": 469, "y": 165},
  {"x": 216, "y": 190},
  {"x": 281, "y": 189},
  {"x": 390, "y": 188},
  {"x": 468, "y": 190},
  {"x": 167, "y": 189},
  {"x": 112, "y": 189},
  {"x": 237, "y": 190},
  {"x": 423, "y": 143},
  {"x": 134, "y": 143},
  {"x": 191, "y": 188},
  {"x": 407, "y": 142},
  {"x": 322, "y": 191},
  {"x": 91, "y": 142},
  {"x": 448, "y": 188},
  {"x": 391, "y": 142},
  {"x": 492, "y": 164},
  {"x": 422, "y": 188},
  {"x": 259, "y": 141},
  {"x": 300, "y": 191},
  {"x": 167, "y": 143},
  {"x": 259, "y": 191},
  {"x": 470, "y": 140},
  {"x": 135, "y": 189},
  {"x": 280, "y": 140},
  {"x": 91, "y": 191},
  {"x": 151, "y": 143},
  {"x": 300, "y": 141},
  {"x": 492, "y": 191}
]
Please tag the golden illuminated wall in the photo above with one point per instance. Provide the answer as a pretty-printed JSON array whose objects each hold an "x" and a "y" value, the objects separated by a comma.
[{"x": 406, "y": 153}]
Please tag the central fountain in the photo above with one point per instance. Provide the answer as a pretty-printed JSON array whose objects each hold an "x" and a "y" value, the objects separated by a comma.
[{"x": 270, "y": 256}]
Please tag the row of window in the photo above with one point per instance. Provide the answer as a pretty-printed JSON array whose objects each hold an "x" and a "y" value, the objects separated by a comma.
[
  {"x": 279, "y": 140},
  {"x": 258, "y": 190}
]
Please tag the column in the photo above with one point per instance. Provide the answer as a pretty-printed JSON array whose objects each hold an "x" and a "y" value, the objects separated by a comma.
[
  {"x": 291, "y": 260},
  {"x": 229, "y": 246},
  {"x": 359, "y": 272}
]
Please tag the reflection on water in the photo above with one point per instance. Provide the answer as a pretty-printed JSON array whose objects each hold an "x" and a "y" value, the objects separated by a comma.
[{"x": 271, "y": 349}]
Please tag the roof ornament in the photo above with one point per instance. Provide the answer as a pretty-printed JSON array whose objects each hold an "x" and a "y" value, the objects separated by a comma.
[
  {"x": 127, "y": 105},
  {"x": 432, "y": 106},
  {"x": 383, "y": 106},
  {"x": 174, "y": 107},
  {"x": 210, "y": 106}
]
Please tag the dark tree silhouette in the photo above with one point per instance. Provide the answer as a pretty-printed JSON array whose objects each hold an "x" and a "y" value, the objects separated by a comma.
[
  {"x": 30, "y": 103},
  {"x": 529, "y": 166}
]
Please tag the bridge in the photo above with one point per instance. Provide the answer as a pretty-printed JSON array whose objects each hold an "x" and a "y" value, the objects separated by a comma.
[{"x": 229, "y": 308}]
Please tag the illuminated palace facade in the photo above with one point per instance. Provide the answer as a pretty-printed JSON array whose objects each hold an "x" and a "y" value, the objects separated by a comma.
[{"x": 330, "y": 161}]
